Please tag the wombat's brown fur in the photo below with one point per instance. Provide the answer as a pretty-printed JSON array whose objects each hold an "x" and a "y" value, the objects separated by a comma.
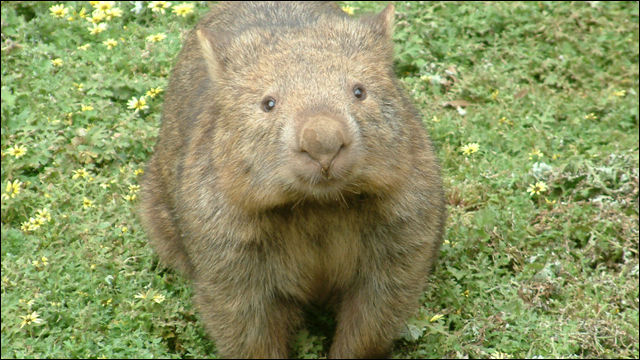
[{"x": 292, "y": 169}]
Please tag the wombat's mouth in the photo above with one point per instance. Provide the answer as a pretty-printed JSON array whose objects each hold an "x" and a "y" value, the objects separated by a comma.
[
  {"x": 322, "y": 180},
  {"x": 321, "y": 183},
  {"x": 333, "y": 188},
  {"x": 326, "y": 191}
]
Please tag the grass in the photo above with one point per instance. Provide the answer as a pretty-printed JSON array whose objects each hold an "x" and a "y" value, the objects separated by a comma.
[{"x": 548, "y": 92}]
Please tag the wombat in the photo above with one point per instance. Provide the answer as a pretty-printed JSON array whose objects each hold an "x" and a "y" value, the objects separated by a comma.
[{"x": 292, "y": 169}]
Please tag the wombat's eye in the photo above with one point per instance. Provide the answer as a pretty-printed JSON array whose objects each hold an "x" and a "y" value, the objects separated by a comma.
[
  {"x": 359, "y": 92},
  {"x": 268, "y": 103}
]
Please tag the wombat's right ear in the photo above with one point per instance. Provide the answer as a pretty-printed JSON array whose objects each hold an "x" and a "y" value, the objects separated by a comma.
[{"x": 214, "y": 64}]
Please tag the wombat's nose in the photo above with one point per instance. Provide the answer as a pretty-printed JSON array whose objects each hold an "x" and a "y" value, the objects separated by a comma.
[{"x": 322, "y": 138}]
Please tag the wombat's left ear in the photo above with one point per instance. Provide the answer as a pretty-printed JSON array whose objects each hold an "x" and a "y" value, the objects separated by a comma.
[{"x": 384, "y": 20}]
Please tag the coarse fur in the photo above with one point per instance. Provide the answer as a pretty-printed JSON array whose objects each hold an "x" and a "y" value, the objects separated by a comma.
[{"x": 325, "y": 196}]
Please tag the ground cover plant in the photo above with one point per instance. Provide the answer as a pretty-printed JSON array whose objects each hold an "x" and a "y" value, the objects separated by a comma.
[{"x": 533, "y": 108}]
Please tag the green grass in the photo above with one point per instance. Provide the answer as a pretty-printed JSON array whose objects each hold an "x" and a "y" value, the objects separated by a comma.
[{"x": 550, "y": 94}]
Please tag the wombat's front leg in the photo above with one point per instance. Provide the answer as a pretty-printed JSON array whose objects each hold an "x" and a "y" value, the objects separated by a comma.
[
  {"x": 370, "y": 317},
  {"x": 249, "y": 324}
]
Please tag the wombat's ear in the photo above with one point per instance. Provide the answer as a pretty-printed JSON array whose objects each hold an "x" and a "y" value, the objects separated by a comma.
[
  {"x": 214, "y": 63},
  {"x": 384, "y": 20}
]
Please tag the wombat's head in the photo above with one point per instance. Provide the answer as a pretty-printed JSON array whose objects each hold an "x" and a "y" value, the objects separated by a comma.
[{"x": 306, "y": 111}]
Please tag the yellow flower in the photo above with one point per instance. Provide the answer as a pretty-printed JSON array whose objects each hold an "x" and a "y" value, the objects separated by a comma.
[
  {"x": 498, "y": 355},
  {"x": 57, "y": 62},
  {"x": 82, "y": 13},
  {"x": 156, "y": 37},
  {"x": 97, "y": 16},
  {"x": 537, "y": 188},
  {"x": 43, "y": 215},
  {"x": 535, "y": 152},
  {"x": 141, "y": 295},
  {"x": 183, "y": 9},
  {"x": 436, "y": 317},
  {"x": 84, "y": 47},
  {"x": 86, "y": 203},
  {"x": 97, "y": 28},
  {"x": 620, "y": 93},
  {"x": 37, "y": 221},
  {"x": 134, "y": 188},
  {"x": 30, "y": 225},
  {"x": 103, "y": 5},
  {"x": 137, "y": 104},
  {"x": 470, "y": 148},
  {"x": 504, "y": 120},
  {"x": 138, "y": 172},
  {"x": 28, "y": 303},
  {"x": 80, "y": 173},
  {"x": 111, "y": 13},
  {"x": 124, "y": 229},
  {"x": 153, "y": 92},
  {"x": 39, "y": 266},
  {"x": 59, "y": 10},
  {"x": 347, "y": 9},
  {"x": 17, "y": 151},
  {"x": 130, "y": 197},
  {"x": 32, "y": 318},
  {"x": 590, "y": 116},
  {"x": 158, "y": 6},
  {"x": 158, "y": 298},
  {"x": 86, "y": 107},
  {"x": 110, "y": 43},
  {"x": 12, "y": 189},
  {"x": 494, "y": 95}
]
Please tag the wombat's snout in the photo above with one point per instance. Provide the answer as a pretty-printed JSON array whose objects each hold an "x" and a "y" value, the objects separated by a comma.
[
  {"x": 325, "y": 140},
  {"x": 322, "y": 138}
]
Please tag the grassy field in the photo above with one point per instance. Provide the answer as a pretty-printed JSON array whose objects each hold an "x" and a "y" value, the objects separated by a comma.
[{"x": 533, "y": 108}]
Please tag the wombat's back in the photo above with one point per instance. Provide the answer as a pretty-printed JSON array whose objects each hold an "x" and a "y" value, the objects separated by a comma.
[{"x": 236, "y": 17}]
